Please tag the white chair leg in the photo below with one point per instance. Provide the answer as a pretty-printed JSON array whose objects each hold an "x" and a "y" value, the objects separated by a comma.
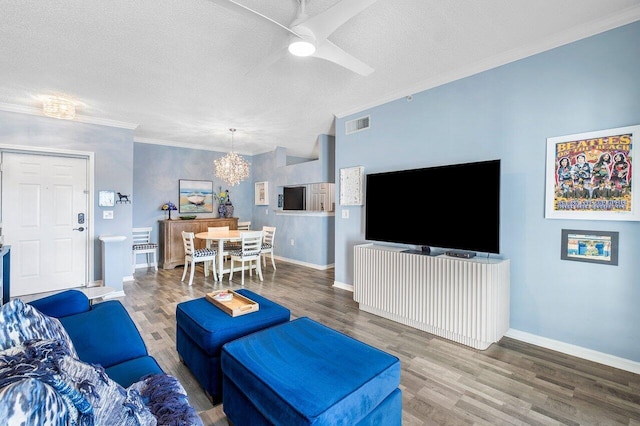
[
  {"x": 134, "y": 262},
  {"x": 259, "y": 269},
  {"x": 155, "y": 261},
  {"x": 186, "y": 266},
  {"x": 193, "y": 268},
  {"x": 231, "y": 270},
  {"x": 215, "y": 274},
  {"x": 273, "y": 261},
  {"x": 264, "y": 261}
]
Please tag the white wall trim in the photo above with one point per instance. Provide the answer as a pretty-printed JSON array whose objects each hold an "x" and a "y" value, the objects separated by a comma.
[
  {"x": 578, "y": 351},
  {"x": 308, "y": 265},
  {"x": 343, "y": 286},
  {"x": 23, "y": 109}
]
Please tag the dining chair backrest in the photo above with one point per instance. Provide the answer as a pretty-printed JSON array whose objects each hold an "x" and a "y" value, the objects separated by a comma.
[
  {"x": 141, "y": 236},
  {"x": 251, "y": 243},
  {"x": 142, "y": 245},
  {"x": 217, "y": 228},
  {"x": 268, "y": 241},
  {"x": 244, "y": 226},
  {"x": 249, "y": 251},
  {"x": 187, "y": 240}
]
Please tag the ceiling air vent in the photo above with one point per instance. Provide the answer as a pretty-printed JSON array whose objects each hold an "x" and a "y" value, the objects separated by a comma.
[{"x": 357, "y": 125}]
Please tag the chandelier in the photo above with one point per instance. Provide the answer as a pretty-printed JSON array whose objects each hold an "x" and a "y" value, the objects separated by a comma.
[
  {"x": 59, "y": 107},
  {"x": 231, "y": 168}
]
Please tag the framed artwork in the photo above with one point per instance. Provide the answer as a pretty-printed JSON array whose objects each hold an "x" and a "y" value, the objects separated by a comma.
[
  {"x": 351, "y": 186},
  {"x": 106, "y": 198},
  {"x": 262, "y": 193},
  {"x": 589, "y": 246},
  {"x": 589, "y": 175},
  {"x": 196, "y": 196}
]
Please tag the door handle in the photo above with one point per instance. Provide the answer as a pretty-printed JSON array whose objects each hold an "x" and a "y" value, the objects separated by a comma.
[{"x": 79, "y": 229}]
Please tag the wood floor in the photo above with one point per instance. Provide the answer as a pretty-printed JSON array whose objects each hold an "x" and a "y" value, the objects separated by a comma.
[{"x": 442, "y": 382}]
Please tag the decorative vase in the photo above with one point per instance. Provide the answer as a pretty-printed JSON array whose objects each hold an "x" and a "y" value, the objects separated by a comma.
[
  {"x": 228, "y": 210},
  {"x": 221, "y": 210}
]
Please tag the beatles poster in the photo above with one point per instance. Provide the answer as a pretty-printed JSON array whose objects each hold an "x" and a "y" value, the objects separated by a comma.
[{"x": 590, "y": 175}]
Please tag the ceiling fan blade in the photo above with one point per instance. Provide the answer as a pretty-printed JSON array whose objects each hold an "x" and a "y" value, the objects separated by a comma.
[
  {"x": 234, "y": 6},
  {"x": 330, "y": 52},
  {"x": 325, "y": 23}
]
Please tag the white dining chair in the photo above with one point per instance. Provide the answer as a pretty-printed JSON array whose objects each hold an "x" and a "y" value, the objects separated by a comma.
[
  {"x": 244, "y": 226},
  {"x": 268, "y": 241},
  {"x": 193, "y": 256},
  {"x": 142, "y": 245},
  {"x": 248, "y": 252}
]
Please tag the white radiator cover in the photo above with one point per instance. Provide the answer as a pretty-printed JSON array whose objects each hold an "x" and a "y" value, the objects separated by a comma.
[{"x": 464, "y": 300}]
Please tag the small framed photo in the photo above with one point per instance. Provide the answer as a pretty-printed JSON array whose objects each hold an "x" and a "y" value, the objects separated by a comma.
[
  {"x": 589, "y": 246},
  {"x": 262, "y": 193}
]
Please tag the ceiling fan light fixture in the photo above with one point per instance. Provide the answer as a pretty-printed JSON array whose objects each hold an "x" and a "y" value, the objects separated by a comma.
[{"x": 302, "y": 48}]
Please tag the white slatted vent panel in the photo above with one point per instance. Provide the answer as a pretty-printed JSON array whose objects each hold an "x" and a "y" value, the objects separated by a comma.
[
  {"x": 464, "y": 301},
  {"x": 357, "y": 125}
]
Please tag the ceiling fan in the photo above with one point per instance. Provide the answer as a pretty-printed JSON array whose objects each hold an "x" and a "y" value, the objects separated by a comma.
[{"x": 308, "y": 35}]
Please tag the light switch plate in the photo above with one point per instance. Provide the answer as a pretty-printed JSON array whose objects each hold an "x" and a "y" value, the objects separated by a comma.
[
  {"x": 345, "y": 214},
  {"x": 107, "y": 214}
]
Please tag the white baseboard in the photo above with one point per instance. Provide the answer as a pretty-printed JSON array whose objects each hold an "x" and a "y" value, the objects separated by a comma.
[
  {"x": 343, "y": 286},
  {"x": 297, "y": 262},
  {"x": 578, "y": 351}
]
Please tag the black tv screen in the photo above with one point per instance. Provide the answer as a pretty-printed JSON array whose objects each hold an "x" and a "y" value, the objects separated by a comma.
[
  {"x": 452, "y": 207},
  {"x": 294, "y": 198}
]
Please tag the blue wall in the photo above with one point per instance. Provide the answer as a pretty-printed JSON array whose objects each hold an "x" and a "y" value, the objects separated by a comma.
[
  {"x": 158, "y": 170},
  {"x": 508, "y": 113},
  {"x": 112, "y": 170}
]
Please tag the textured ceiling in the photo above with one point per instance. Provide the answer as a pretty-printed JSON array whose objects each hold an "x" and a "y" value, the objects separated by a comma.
[{"x": 182, "y": 72}]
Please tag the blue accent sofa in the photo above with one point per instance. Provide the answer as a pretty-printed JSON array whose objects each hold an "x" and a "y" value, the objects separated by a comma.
[
  {"x": 103, "y": 334},
  {"x": 82, "y": 364}
]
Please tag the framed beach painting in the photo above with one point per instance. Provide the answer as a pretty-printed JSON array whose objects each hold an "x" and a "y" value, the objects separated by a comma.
[
  {"x": 196, "y": 196},
  {"x": 590, "y": 175}
]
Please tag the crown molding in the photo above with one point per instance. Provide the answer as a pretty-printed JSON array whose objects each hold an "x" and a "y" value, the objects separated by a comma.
[
  {"x": 627, "y": 16},
  {"x": 22, "y": 109}
]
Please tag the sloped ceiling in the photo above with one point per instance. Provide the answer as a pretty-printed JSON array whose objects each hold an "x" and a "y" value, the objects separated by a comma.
[{"x": 182, "y": 72}]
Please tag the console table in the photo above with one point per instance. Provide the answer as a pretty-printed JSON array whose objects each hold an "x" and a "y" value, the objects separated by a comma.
[
  {"x": 464, "y": 300},
  {"x": 171, "y": 246}
]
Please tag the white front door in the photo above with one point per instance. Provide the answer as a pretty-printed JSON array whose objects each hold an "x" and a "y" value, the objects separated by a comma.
[{"x": 44, "y": 219}]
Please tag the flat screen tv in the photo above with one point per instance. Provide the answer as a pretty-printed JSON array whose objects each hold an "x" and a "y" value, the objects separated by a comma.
[
  {"x": 294, "y": 198},
  {"x": 454, "y": 206}
]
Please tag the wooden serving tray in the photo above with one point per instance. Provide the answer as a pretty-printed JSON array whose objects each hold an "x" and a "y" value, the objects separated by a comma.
[{"x": 239, "y": 305}]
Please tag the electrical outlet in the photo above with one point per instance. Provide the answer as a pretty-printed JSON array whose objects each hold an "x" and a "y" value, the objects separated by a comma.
[
  {"x": 266, "y": 211},
  {"x": 345, "y": 214},
  {"x": 293, "y": 243}
]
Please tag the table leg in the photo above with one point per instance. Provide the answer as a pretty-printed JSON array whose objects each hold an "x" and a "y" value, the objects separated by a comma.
[{"x": 220, "y": 259}]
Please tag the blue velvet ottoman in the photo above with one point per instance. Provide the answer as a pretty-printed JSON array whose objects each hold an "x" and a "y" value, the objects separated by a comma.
[
  {"x": 202, "y": 329},
  {"x": 303, "y": 373}
]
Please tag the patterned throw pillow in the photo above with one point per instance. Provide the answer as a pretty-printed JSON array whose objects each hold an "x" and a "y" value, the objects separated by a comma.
[
  {"x": 89, "y": 395},
  {"x": 21, "y": 322}
]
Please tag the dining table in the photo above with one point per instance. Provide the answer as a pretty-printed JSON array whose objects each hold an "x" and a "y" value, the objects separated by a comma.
[{"x": 221, "y": 236}]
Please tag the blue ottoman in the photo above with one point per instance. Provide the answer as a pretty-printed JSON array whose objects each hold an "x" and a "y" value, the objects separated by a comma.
[
  {"x": 303, "y": 373},
  {"x": 202, "y": 329}
]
